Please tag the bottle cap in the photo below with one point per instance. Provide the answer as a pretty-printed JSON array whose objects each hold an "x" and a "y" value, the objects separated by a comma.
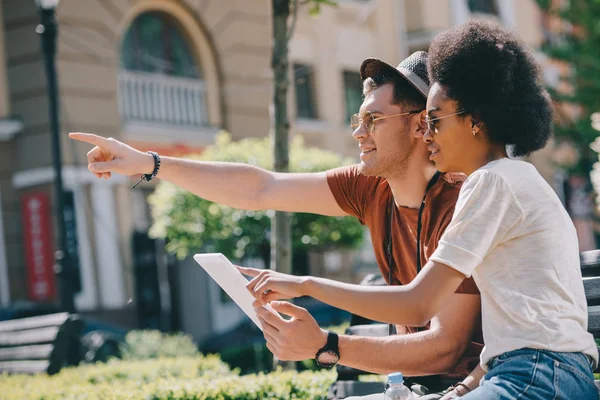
[{"x": 396, "y": 377}]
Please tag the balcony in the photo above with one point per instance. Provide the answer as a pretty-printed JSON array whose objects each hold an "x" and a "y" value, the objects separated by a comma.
[{"x": 168, "y": 109}]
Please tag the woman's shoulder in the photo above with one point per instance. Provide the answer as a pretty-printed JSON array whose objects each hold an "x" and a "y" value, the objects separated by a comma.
[
  {"x": 507, "y": 167},
  {"x": 507, "y": 171},
  {"x": 508, "y": 180}
]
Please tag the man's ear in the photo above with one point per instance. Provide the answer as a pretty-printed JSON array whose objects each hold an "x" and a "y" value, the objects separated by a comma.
[{"x": 420, "y": 128}]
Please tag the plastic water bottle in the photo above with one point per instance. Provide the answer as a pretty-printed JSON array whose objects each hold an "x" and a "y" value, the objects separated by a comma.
[{"x": 395, "y": 389}]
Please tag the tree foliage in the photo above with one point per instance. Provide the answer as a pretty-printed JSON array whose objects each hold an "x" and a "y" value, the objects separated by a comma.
[
  {"x": 190, "y": 223},
  {"x": 315, "y": 5},
  {"x": 576, "y": 43}
]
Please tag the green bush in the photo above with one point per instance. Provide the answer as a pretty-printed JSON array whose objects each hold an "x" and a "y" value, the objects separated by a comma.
[
  {"x": 192, "y": 378},
  {"x": 146, "y": 344},
  {"x": 144, "y": 371},
  {"x": 249, "y": 358}
]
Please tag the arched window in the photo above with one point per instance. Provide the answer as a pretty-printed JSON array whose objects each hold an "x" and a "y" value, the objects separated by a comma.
[
  {"x": 160, "y": 82},
  {"x": 154, "y": 43}
]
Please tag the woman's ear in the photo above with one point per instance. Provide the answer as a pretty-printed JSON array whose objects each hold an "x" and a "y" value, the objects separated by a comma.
[
  {"x": 421, "y": 126},
  {"x": 476, "y": 126}
]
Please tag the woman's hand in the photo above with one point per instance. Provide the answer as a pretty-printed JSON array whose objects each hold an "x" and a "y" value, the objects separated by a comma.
[
  {"x": 456, "y": 391},
  {"x": 450, "y": 395},
  {"x": 267, "y": 285}
]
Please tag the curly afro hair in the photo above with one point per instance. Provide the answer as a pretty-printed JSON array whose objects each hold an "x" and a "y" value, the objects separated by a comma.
[{"x": 493, "y": 77}]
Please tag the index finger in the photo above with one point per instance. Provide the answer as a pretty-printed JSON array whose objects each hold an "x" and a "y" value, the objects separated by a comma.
[
  {"x": 90, "y": 138},
  {"x": 249, "y": 271}
]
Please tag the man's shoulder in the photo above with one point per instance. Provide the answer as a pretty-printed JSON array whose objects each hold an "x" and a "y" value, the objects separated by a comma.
[
  {"x": 352, "y": 173},
  {"x": 357, "y": 194},
  {"x": 453, "y": 179},
  {"x": 444, "y": 195}
]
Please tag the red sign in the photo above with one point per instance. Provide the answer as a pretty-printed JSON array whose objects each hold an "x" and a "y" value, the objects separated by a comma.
[{"x": 37, "y": 235}]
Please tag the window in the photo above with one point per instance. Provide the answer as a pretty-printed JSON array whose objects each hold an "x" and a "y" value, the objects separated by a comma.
[
  {"x": 155, "y": 44},
  {"x": 483, "y": 6},
  {"x": 353, "y": 89},
  {"x": 305, "y": 99}
]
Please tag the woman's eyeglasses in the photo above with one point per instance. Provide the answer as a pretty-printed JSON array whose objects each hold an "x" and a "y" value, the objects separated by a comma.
[
  {"x": 430, "y": 122},
  {"x": 367, "y": 119}
]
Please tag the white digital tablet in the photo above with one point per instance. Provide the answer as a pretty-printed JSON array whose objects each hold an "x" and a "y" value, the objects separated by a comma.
[{"x": 231, "y": 281}]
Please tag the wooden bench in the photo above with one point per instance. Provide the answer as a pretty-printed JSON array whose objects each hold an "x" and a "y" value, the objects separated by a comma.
[
  {"x": 590, "y": 269},
  {"x": 40, "y": 344}
]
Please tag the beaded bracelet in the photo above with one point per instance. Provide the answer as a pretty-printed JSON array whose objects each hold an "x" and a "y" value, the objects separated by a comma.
[{"x": 149, "y": 177}]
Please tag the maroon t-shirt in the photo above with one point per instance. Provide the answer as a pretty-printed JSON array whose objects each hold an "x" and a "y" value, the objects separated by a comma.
[{"x": 368, "y": 199}]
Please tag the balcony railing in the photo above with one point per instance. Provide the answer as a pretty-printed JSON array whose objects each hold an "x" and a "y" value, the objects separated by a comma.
[{"x": 162, "y": 99}]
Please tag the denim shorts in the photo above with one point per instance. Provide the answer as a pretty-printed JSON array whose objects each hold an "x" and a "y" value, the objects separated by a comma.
[{"x": 539, "y": 375}]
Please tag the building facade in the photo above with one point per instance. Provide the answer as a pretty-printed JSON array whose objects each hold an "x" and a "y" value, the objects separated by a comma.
[{"x": 168, "y": 75}]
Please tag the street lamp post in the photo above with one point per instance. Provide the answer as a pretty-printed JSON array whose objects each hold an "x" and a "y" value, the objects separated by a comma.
[{"x": 63, "y": 268}]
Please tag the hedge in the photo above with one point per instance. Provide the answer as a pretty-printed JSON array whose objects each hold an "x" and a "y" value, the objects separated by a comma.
[
  {"x": 198, "y": 378},
  {"x": 145, "y": 344}
]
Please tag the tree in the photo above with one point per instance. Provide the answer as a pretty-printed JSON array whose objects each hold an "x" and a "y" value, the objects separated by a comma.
[
  {"x": 281, "y": 243},
  {"x": 577, "y": 45},
  {"x": 572, "y": 37},
  {"x": 189, "y": 223}
]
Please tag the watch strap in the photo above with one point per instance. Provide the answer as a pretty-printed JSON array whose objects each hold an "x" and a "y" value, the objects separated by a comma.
[{"x": 333, "y": 342}]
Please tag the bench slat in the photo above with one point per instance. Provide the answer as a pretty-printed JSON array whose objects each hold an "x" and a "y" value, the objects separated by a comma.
[
  {"x": 35, "y": 352},
  {"x": 33, "y": 336},
  {"x": 590, "y": 263},
  {"x": 33, "y": 322},
  {"x": 594, "y": 322},
  {"x": 29, "y": 367},
  {"x": 592, "y": 291}
]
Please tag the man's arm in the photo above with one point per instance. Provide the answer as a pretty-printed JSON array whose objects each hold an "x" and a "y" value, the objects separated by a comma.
[
  {"x": 424, "y": 353},
  {"x": 249, "y": 187},
  {"x": 233, "y": 184},
  {"x": 429, "y": 352}
]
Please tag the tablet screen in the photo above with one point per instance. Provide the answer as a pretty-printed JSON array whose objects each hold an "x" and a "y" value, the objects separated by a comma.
[{"x": 230, "y": 280}]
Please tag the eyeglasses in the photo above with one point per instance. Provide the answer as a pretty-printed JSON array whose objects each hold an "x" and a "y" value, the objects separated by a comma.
[
  {"x": 430, "y": 122},
  {"x": 367, "y": 119}
]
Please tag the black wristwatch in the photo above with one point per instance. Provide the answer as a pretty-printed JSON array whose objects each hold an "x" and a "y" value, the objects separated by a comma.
[{"x": 329, "y": 355}]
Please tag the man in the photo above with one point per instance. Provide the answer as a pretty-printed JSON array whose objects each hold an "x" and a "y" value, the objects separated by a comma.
[{"x": 385, "y": 191}]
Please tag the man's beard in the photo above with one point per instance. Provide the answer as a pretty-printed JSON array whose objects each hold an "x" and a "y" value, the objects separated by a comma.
[{"x": 390, "y": 166}]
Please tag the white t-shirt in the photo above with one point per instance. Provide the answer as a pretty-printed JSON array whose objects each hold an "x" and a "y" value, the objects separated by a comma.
[{"x": 512, "y": 234}]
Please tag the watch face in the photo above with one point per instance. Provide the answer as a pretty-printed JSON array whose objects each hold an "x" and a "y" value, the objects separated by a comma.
[{"x": 328, "y": 358}]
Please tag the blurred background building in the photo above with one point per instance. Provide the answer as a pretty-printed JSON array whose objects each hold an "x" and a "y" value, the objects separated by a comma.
[{"x": 168, "y": 75}]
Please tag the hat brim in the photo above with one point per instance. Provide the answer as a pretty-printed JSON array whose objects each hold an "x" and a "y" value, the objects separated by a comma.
[{"x": 374, "y": 66}]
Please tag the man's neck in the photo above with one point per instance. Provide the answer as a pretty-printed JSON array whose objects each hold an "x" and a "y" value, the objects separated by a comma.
[{"x": 409, "y": 188}]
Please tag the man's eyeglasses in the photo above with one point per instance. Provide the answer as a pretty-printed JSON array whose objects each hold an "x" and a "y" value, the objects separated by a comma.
[
  {"x": 367, "y": 119},
  {"x": 430, "y": 122}
]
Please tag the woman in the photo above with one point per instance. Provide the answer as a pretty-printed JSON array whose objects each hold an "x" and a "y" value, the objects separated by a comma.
[
  {"x": 509, "y": 230},
  {"x": 522, "y": 246}
]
